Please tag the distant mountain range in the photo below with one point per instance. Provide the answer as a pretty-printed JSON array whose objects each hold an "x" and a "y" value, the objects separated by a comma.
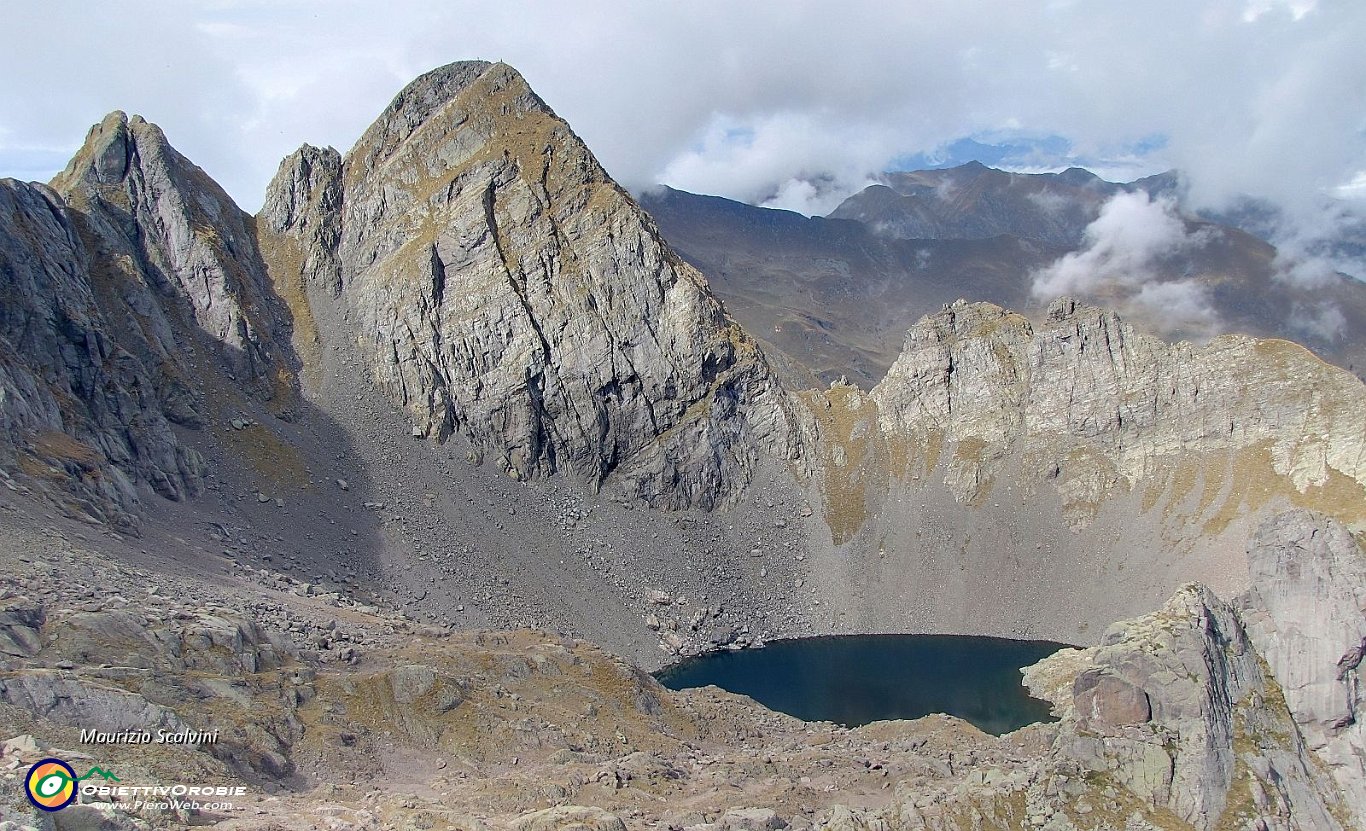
[
  {"x": 973, "y": 201},
  {"x": 832, "y": 296}
]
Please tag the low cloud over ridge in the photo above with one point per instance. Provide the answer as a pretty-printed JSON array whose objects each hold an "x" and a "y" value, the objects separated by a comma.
[{"x": 1120, "y": 261}]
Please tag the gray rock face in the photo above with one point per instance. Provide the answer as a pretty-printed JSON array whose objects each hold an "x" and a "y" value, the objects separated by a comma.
[
  {"x": 1306, "y": 612},
  {"x": 186, "y": 239},
  {"x": 501, "y": 288},
  {"x": 113, "y": 281},
  {"x": 1109, "y": 701},
  {"x": 20, "y": 623},
  {"x": 1170, "y": 722},
  {"x": 505, "y": 288},
  {"x": 1217, "y": 746},
  {"x": 86, "y": 705},
  {"x": 85, "y": 411},
  {"x": 1095, "y": 405},
  {"x": 303, "y": 206}
]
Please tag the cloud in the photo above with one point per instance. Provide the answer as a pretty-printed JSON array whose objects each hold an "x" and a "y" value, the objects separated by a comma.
[
  {"x": 1322, "y": 320},
  {"x": 69, "y": 63},
  {"x": 1178, "y": 306},
  {"x": 1048, "y": 201},
  {"x": 1120, "y": 261},
  {"x": 1297, "y": 8},
  {"x": 785, "y": 160},
  {"x": 1310, "y": 250},
  {"x": 745, "y": 100},
  {"x": 1121, "y": 246}
]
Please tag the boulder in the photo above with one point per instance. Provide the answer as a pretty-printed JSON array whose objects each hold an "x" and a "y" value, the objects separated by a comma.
[
  {"x": 20, "y": 622},
  {"x": 568, "y": 818},
  {"x": 751, "y": 819},
  {"x": 1105, "y": 700}
]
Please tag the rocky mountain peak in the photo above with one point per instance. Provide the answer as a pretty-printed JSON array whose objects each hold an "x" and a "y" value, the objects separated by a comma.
[
  {"x": 414, "y": 105},
  {"x": 468, "y": 284},
  {"x": 506, "y": 290},
  {"x": 300, "y": 221},
  {"x": 122, "y": 148},
  {"x": 138, "y": 300},
  {"x": 174, "y": 230},
  {"x": 114, "y": 147},
  {"x": 105, "y": 154}
]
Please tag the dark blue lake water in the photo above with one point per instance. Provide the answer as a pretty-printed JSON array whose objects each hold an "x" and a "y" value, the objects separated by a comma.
[{"x": 855, "y": 679}]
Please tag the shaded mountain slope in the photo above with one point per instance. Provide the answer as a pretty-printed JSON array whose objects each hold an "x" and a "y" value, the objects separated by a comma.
[
  {"x": 973, "y": 201},
  {"x": 830, "y": 296},
  {"x": 129, "y": 285}
]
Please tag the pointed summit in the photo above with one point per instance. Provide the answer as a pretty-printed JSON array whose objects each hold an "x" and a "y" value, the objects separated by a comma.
[
  {"x": 451, "y": 111},
  {"x": 144, "y": 201},
  {"x": 124, "y": 149},
  {"x": 104, "y": 154},
  {"x": 413, "y": 106},
  {"x": 138, "y": 291},
  {"x": 505, "y": 289}
]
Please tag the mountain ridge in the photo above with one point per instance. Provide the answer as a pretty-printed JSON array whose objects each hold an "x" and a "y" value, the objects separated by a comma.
[
  {"x": 833, "y": 296},
  {"x": 455, "y": 379},
  {"x": 413, "y": 290}
]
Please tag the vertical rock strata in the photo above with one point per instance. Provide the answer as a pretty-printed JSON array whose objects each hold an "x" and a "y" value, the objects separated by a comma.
[
  {"x": 504, "y": 288},
  {"x": 1177, "y": 708},
  {"x": 181, "y": 237},
  {"x": 1306, "y": 613},
  {"x": 85, "y": 413},
  {"x": 302, "y": 211},
  {"x": 127, "y": 285},
  {"x": 1095, "y": 406}
]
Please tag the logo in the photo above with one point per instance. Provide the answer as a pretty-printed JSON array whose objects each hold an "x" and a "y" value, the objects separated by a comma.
[{"x": 51, "y": 784}]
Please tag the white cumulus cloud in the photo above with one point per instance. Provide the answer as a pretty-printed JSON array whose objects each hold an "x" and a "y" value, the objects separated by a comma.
[
  {"x": 1120, "y": 259},
  {"x": 1132, "y": 233}
]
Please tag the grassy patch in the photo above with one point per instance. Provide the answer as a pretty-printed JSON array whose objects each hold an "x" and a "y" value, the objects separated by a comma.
[
  {"x": 284, "y": 261},
  {"x": 854, "y": 455},
  {"x": 270, "y": 457}
]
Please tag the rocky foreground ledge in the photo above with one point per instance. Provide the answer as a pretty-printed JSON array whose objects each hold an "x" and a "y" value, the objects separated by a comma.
[{"x": 340, "y": 715}]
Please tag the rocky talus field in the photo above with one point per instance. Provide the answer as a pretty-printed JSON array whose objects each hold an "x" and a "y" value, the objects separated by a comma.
[{"x": 405, "y": 484}]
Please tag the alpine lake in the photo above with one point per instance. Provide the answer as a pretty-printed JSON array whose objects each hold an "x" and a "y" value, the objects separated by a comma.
[{"x": 856, "y": 679}]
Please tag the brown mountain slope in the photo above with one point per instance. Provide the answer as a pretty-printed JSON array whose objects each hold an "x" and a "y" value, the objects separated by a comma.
[
  {"x": 830, "y": 296},
  {"x": 840, "y": 290}
]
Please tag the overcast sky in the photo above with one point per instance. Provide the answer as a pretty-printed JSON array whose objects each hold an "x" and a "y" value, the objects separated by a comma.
[{"x": 789, "y": 103}]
